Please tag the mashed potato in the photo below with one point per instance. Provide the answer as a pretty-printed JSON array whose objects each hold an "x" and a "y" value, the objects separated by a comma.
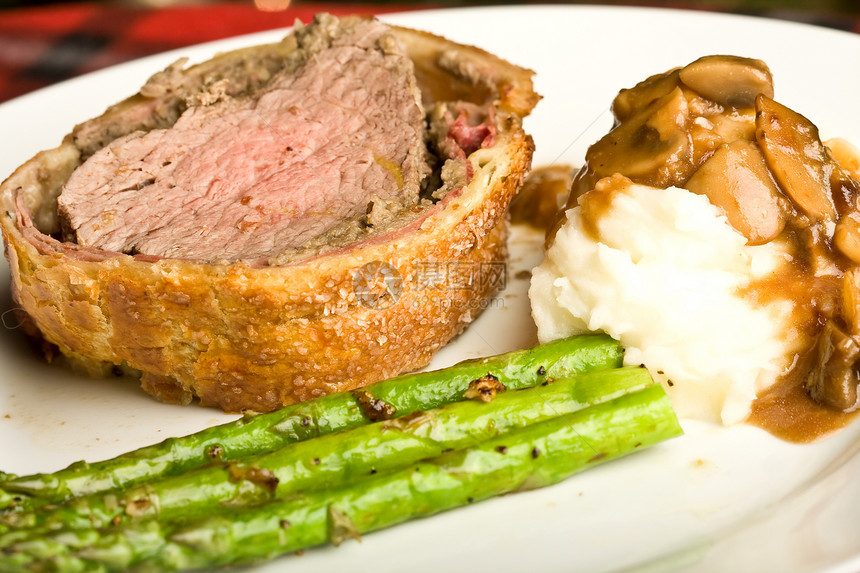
[
  {"x": 731, "y": 268},
  {"x": 662, "y": 271}
]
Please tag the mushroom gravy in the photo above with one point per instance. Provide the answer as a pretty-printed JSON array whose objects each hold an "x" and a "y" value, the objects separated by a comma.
[
  {"x": 713, "y": 128},
  {"x": 543, "y": 193}
]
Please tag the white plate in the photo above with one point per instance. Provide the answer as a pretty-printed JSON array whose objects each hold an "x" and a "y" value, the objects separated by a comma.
[{"x": 714, "y": 500}]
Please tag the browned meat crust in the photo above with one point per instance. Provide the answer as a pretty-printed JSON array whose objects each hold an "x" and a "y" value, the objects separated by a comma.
[{"x": 241, "y": 336}]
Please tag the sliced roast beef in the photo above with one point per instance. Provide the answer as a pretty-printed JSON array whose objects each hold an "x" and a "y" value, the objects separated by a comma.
[{"x": 265, "y": 174}]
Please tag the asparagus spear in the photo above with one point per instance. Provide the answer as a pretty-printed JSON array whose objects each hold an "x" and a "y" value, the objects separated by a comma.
[
  {"x": 534, "y": 456},
  {"x": 251, "y": 434},
  {"x": 330, "y": 460}
]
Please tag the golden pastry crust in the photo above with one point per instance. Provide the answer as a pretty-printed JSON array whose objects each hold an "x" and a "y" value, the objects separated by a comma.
[{"x": 243, "y": 337}]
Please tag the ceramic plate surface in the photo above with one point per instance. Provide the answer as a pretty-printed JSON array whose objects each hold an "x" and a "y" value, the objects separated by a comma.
[{"x": 717, "y": 499}]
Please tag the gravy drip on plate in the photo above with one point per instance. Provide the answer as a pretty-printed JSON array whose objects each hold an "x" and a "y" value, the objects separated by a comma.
[
  {"x": 544, "y": 191},
  {"x": 713, "y": 128}
]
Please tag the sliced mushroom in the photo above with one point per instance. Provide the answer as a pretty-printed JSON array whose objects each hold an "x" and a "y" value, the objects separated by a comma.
[
  {"x": 796, "y": 157},
  {"x": 844, "y": 187},
  {"x": 846, "y": 237},
  {"x": 653, "y": 147},
  {"x": 631, "y": 101},
  {"x": 728, "y": 80},
  {"x": 851, "y": 300},
  {"x": 736, "y": 179},
  {"x": 846, "y": 154},
  {"x": 736, "y": 124},
  {"x": 833, "y": 379}
]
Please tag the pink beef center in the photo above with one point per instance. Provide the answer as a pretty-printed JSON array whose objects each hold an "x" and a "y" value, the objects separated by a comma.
[{"x": 251, "y": 178}]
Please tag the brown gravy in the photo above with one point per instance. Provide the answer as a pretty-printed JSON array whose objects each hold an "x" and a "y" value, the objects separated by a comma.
[
  {"x": 788, "y": 412},
  {"x": 543, "y": 193},
  {"x": 713, "y": 128},
  {"x": 786, "y": 409}
]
